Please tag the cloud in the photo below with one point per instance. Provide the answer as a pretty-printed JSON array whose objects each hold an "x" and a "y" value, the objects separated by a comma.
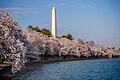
[
  {"x": 58, "y": 4},
  {"x": 87, "y": 5},
  {"x": 16, "y": 12},
  {"x": 48, "y": 26}
]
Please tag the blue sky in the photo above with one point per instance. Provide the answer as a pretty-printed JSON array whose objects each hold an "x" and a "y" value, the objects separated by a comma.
[{"x": 97, "y": 20}]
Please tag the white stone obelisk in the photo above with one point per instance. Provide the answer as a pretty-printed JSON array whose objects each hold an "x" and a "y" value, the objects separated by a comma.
[{"x": 54, "y": 22}]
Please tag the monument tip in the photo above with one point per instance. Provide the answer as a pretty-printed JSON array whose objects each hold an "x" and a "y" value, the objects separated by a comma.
[{"x": 53, "y": 7}]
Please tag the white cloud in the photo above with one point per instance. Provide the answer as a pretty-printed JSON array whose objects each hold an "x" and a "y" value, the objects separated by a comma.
[
  {"x": 15, "y": 12},
  {"x": 84, "y": 4},
  {"x": 59, "y": 4},
  {"x": 48, "y": 26}
]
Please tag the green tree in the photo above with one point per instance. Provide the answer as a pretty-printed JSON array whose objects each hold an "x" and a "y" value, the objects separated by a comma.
[
  {"x": 34, "y": 28},
  {"x": 37, "y": 29},
  {"x": 63, "y": 36},
  {"x": 119, "y": 49},
  {"x": 30, "y": 27},
  {"x": 46, "y": 32},
  {"x": 69, "y": 36}
]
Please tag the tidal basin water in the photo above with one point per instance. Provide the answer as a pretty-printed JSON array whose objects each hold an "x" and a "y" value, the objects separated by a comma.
[{"x": 99, "y": 69}]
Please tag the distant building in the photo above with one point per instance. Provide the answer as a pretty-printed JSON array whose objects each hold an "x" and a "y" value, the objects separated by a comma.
[{"x": 54, "y": 22}]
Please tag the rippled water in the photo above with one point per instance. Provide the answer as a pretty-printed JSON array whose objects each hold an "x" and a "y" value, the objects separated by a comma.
[{"x": 100, "y": 69}]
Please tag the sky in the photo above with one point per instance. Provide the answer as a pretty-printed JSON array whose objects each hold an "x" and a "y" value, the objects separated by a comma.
[{"x": 89, "y": 20}]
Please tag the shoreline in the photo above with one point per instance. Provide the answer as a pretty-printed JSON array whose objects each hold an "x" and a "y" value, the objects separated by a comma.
[
  {"x": 63, "y": 60},
  {"x": 8, "y": 67},
  {"x": 4, "y": 67}
]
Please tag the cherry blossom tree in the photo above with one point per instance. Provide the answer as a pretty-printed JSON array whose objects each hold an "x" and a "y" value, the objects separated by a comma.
[{"x": 12, "y": 41}]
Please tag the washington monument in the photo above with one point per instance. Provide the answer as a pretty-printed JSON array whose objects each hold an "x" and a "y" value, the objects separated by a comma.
[{"x": 54, "y": 22}]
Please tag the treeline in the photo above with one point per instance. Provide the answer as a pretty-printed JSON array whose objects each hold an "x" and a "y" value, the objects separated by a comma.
[
  {"x": 44, "y": 31},
  {"x": 47, "y": 32},
  {"x": 68, "y": 36}
]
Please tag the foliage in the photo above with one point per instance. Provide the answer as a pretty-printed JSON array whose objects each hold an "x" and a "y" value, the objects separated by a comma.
[
  {"x": 63, "y": 36},
  {"x": 44, "y": 31},
  {"x": 68, "y": 36},
  {"x": 12, "y": 41},
  {"x": 30, "y": 27},
  {"x": 37, "y": 29},
  {"x": 119, "y": 49}
]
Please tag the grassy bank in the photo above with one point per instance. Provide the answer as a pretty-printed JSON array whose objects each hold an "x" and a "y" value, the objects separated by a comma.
[{"x": 62, "y": 60}]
